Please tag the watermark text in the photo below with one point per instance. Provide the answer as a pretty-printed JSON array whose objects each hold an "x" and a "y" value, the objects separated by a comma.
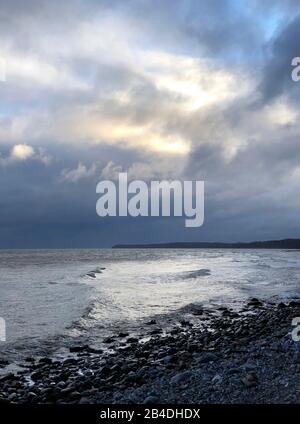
[
  {"x": 159, "y": 198},
  {"x": 296, "y": 329}
]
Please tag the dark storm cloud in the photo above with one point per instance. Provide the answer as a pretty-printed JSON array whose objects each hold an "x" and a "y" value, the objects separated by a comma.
[{"x": 277, "y": 71}]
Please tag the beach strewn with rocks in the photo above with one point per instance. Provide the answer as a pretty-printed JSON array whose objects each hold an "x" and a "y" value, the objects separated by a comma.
[{"x": 216, "y": 356}]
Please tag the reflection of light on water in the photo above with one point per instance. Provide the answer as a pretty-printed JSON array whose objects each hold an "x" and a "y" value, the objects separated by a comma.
[
  {"x": 131, "y": 287},
  {"x": 164, "y": 281}
]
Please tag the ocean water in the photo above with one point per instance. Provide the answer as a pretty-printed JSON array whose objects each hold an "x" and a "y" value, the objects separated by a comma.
[{"x": 51, "y": 299}]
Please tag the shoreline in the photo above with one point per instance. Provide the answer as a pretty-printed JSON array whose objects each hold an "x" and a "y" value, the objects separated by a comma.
[{"x": 219, "y": 356}]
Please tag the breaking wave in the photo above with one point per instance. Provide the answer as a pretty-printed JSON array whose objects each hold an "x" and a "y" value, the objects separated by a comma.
[
  {"x": 204, "y": 272},
  {"x": 93, "y": 273}
]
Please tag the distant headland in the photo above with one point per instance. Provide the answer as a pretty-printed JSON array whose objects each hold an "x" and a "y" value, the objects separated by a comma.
[{"x": 269, "y": 244}]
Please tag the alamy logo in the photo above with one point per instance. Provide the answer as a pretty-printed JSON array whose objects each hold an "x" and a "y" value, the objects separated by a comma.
[
  {"x": 296, "y": 71},
  {"x": 161, "y": 198},
  {"x": 296, "y": 330},
  {"x": 2, "y": 330}
]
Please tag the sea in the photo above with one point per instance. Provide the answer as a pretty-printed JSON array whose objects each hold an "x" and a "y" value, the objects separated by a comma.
[{"x": 53, "y": 299}]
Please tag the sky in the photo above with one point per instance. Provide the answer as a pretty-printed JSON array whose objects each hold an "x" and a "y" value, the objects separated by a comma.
[{"x": 181, "y": 90}]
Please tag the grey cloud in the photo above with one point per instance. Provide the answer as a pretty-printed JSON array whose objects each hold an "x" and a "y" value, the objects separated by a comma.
[{"x": 277, "y": 71}]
